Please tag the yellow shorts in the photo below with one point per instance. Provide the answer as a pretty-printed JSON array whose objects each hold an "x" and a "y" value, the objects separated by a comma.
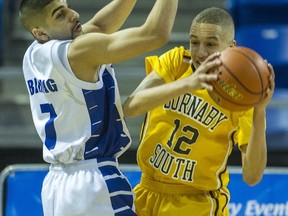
[{"x": 160, "y": 199}]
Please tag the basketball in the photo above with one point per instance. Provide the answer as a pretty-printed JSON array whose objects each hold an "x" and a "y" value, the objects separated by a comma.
[{"x": 243, "y": 79}]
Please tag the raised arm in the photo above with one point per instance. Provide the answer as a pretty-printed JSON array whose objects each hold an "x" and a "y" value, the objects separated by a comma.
[
  {"x": 110, "y": 18},
  {"x": 90, "y": 50}
]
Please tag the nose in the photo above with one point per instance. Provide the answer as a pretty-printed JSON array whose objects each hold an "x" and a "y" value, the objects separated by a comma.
[
  {"x": 202, "y": 53},
  {"x": 74, "y": 15}
]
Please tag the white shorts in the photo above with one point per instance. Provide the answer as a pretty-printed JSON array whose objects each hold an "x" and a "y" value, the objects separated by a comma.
[{"x": 87, "y": 188}]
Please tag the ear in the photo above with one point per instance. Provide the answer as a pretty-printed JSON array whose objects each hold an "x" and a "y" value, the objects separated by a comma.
[
  {"x": 40, "y": 35},
  {"x": 233, "y": 43}
]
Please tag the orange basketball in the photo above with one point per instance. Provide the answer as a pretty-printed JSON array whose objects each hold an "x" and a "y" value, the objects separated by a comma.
[{"x": 243, "y": 79}]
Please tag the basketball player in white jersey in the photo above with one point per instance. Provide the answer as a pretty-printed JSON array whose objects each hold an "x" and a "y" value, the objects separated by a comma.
[{"x": 75, "y": 101}]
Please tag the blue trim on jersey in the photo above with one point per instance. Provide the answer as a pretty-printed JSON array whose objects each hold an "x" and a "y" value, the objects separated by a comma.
[
  {"x": 50, "y": 139},
  {"x": 120, "y": 191},
  {"x": 107, "y": 134}
]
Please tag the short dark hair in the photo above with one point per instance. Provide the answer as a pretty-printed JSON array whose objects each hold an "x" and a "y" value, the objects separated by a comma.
[
  {"x": 216, "y": 16},
  {"x": 36, "y": 5},
  {"x": 29, "y": 9}
]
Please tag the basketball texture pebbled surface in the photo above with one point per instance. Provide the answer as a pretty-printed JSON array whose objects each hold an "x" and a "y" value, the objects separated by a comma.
[{"x": 243, "y": 79}]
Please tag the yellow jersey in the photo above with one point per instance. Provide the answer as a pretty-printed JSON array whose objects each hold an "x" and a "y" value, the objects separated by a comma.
[{"x": 188, "y": 140}]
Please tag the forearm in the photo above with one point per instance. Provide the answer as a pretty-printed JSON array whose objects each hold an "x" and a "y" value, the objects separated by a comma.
[
  {"x": 110, "y": 18},
  {"x": 141, "y": 101},
  {"x": 161, "y": 19},
  {"x": 153, "y": 91},
  {"x": 255, "y": 160}
]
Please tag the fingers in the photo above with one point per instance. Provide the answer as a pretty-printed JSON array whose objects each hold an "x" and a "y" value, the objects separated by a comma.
[
  {"x": 213, "y": 57},
  {"x": 212, "y": 61},
  {"x": 268, "y": 64},
  {"x": 209, "y": 77},
  {"x": 206, "y": 80},
  {"x": 209, "y": 66},
  {"x": 207, "y": 86},
  {"x": 270, "y": 67},
  {"x": 270, "y": 90},
  {"x": 271, "y": 76}
]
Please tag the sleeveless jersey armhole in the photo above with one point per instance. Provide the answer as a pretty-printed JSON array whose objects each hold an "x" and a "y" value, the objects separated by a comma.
[{"x": 63, "y": 57}]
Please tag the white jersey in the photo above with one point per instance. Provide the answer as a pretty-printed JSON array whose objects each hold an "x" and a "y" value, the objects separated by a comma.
[{"x": 76, "y": 120}]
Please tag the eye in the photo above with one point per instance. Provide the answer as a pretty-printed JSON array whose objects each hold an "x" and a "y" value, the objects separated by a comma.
[
  {"x": 212, "y": 44},
  {"x": 60, "y": 15},
  {"x": 194, "y": 43}
]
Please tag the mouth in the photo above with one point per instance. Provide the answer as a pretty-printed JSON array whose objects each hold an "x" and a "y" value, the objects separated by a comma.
[{"x": 77, "y": 27}]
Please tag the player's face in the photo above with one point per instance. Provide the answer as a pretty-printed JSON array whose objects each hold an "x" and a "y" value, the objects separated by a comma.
[
  {"x": 61, "y": 21},
  {"x": 206, "y": 39}
]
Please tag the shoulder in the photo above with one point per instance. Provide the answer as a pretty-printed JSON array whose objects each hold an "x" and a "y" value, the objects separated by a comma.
[
  {"x": 181, "y": 50},
  {"x": 44, "y": 48},
  {"x": 179, "y": 53}
]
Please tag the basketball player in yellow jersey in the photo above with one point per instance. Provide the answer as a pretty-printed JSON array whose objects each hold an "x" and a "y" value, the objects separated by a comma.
[{"x": 187, "y": 138}]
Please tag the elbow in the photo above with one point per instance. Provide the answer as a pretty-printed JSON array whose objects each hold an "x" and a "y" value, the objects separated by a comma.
[
  {"x": 129, "y": 110},
  {"x": 129, "y": 113},
  {"x": 158, "y": 38},
  {"x": 162, "y": 38},
  {"x": 252, "y": 180},
  {"x": 157, "y": 41},
  {"x": 155, "y": 37},
  {"x": 253, "y": 168}
]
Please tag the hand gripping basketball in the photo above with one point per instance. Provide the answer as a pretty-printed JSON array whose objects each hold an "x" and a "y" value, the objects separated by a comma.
[{"x": 243, "y": 79}]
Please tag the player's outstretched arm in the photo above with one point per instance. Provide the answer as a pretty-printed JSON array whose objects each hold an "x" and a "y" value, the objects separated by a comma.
[
  {"x": 153, "y": 91},
  {"x": 110, "y": 18},
  {"x": 90, "y": 50}
]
